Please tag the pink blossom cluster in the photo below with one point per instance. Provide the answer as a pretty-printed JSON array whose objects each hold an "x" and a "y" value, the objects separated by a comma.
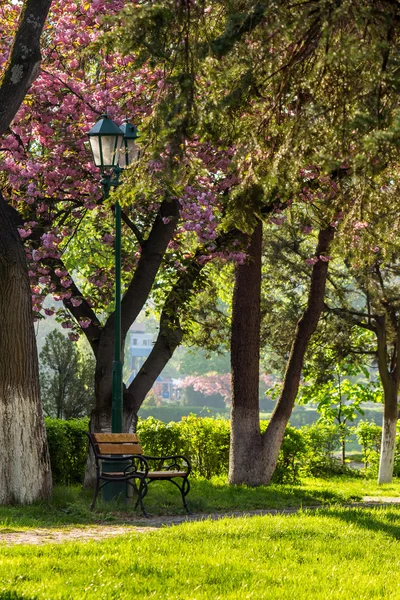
[
  {"x": 49, "y": 173},
  {"x": 315, "y": 259},
  {"x": 209, "y": 384}
]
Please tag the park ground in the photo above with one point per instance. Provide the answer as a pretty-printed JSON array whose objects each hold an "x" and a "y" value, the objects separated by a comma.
[{"x": 324, "y": 538}]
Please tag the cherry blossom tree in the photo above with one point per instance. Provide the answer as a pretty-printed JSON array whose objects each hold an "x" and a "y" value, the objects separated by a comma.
[
  {"x": 172, "y": 199},
  {"x": 25, "y": 474}
]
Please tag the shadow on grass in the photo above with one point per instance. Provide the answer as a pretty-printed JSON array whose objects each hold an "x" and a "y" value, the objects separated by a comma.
[
  {"x": 70, "y": 506},
  {"x": 14, "y": 596},
  {"x": 385, "y": 520}
]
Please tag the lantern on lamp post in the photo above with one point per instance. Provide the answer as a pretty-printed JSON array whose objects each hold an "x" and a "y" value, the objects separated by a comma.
[{"x": 114, "y": 148}]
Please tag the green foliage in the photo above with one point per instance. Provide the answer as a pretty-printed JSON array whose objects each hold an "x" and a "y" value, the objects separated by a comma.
[
  {"x": 68, "y": 446},
  {"x": 291, "y": 456},
  {"x": 369, "y": 437},
  {"x": 321, "y": 440},
  {"x": 66, "y": 378},
  {"x": 159, "y": 438},
  {"x": 338, "y": 396},
  {"x": 204, "y": 441},
  {"x": 208, "y": 443}
]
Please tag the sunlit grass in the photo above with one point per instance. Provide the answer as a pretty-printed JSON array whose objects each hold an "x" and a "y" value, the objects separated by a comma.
[
  {"x": 334, "y": 553},
  {"x": 70, "y": 506}
]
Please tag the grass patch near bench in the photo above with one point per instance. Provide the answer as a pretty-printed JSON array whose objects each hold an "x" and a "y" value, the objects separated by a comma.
[
  {"x": 333, "y": 553},
  {"x": 70, "y": 505}
]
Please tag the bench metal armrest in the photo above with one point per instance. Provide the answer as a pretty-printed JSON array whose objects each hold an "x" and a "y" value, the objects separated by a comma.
[
  {"x": 142, "y": 466},
  {"x": 171, "y": 466}
]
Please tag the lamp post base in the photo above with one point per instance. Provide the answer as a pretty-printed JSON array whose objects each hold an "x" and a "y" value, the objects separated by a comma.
[{"x": 116, "y": 490}]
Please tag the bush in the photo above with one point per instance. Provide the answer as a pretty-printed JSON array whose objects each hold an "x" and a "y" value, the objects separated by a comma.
[
  {"x": 204, "y": 441},
  {"x": 207, "y": 445},
  {"x": 291, "y": 456},
  {"x": 159, "y": 438},
  {"x": 68, "y": 446},
  {"x": 369, "y": 437},
  {"x": 321, "y": 441}
]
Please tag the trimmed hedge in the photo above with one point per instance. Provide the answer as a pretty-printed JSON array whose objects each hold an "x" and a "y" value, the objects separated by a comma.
[
  {"x": 68, "y": 445},
  {"x": 205, "y": 441}
]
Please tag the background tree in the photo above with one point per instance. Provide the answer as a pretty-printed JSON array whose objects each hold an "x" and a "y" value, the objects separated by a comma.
[
  {"x": 335, "y": 385},
  {"x": 66, "y": 378}
]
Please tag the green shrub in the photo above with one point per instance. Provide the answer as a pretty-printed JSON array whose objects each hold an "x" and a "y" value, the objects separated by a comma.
[
  {"x": 68, "y": 445},
  {"x": 369, "y": 437},
  {"x": 321, "y": 441},
  {"x": 291, "y": 456},
  {"x": 205, "y": 441},
  {"x": 207, "y": 444},
  {"x": 159, "y": 438}
]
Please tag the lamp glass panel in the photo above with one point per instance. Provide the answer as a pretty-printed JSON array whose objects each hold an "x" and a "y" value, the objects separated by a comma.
[
  {"x": 129, "y": 153},
  {"x": 95, "y": 146},
  {"x": 110, "y": 145}
]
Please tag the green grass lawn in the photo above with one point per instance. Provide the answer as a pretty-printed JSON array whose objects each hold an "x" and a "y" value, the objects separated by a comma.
[
  {"x": 70, "y": 506},
  {"x": 328, "y": 553},
  {"x": 333, "y": 553}
]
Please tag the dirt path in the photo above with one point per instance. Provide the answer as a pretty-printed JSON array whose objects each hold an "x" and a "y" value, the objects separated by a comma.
[{"x": 40, "y": 536}]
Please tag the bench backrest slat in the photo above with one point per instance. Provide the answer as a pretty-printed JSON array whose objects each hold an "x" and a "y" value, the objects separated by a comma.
[
  {"x": 114, "y": 438},
  {"x": 119, "y": 448}
]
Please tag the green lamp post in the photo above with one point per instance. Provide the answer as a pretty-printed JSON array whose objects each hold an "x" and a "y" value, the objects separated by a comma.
[{"x": 114, "y": 148}]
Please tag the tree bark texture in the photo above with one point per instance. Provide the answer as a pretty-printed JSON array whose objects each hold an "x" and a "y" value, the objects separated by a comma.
[
  {"x": 254, "y": 456},
  {"x": 25, "y": 474},
  {"x": 23, "y": 65},
  {"x": 390, "y": 382},
  {"x": 246, "y": 459}
]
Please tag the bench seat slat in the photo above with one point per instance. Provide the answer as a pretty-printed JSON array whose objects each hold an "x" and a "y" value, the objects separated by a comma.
[
  {"x": 115, "y": 438},
  {"x": 120, "y": 448},
  {"x": 165, "y": 474}
]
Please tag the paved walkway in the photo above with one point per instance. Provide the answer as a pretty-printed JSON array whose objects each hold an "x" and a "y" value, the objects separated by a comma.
[{"x": 42, "y": 536}]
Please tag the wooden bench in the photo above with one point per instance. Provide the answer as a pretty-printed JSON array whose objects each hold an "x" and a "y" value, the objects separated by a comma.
[{"x": 112, "y": 450}]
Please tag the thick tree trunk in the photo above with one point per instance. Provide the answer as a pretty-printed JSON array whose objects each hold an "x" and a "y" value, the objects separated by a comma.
[
  {"x": 246, "y": 458},
  {"x": 25, "y": 474},
  {"x": 273, "y": 437}
]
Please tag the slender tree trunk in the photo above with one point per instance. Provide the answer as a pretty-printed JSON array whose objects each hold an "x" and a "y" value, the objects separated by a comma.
[
  {"x": 25, "y": 474},
  {"x": 390, "y": 383},
  {"x": 253, "y": 457},
  {"x": 245, "y": 459},
  {"x": 273, "y": 437},
  {"x": 388, "y": 444}
]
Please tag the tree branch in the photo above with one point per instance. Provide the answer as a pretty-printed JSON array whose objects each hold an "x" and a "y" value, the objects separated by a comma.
[
  {"x": 133, "y": 228},
  {"x": 24, "y": 63}
]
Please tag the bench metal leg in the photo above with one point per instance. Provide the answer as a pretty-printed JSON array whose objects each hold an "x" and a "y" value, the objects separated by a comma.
[
  {"x": 96, "y": 492},
  {"x": 142, "y": 491},
  {"x": 185, "y": 489}
]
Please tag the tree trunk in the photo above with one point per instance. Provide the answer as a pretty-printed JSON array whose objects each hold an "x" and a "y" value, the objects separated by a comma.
[
  {"x": 273, "y": 437},
  {"x": 390, "y": 383},
  {"x": 253, "y": 457},
  {"x": 388, "y": 443},
  {"x": 25, "y": 474},
  {"x": 245, "y": 458}
]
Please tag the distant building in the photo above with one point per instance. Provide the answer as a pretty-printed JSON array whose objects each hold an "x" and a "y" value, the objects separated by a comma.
[{"x": 140, "y": 346}]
